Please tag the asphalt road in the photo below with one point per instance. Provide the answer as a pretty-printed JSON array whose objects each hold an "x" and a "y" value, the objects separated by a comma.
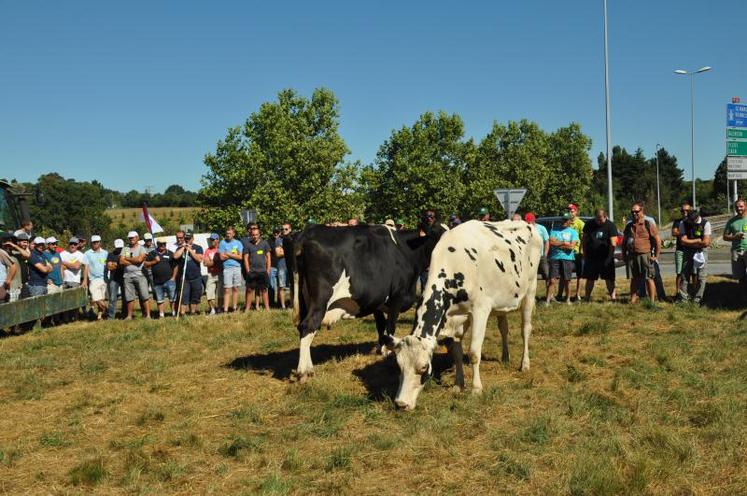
[{"x": 719, "y": 263}]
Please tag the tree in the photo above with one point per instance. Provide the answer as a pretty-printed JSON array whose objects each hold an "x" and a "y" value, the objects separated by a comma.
[
  {"x": 417, "y": 168},
  {"x": 285, "y": 161}
]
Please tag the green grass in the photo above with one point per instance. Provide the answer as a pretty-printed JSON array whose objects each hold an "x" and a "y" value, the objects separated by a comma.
[{"x": 620, "y": 399}]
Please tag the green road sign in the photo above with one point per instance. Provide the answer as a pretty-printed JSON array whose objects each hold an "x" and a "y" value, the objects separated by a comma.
[
  {"x": 738, "y": 148},
  {"x": 737, "y": 133}
]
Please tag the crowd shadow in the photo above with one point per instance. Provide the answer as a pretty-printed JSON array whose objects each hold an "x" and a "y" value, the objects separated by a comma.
[
  {"x": 724, "y": 295},
  {"x": 281, "y": 363}
]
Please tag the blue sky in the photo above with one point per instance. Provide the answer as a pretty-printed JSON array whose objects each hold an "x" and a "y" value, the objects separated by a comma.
[{"x": 135, "y": 93}]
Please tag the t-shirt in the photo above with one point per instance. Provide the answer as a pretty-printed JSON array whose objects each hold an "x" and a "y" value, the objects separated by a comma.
[
  {"x": 235, "y": 247},
  {"x": 54, "y": 259},
  {"x": 736, "y": 225},
  {"x": 162, "y": 269},
  {"x": 37, "y": 277},
  {"x": 597, "y": 238},
  {"x": 578, "y": 226},
  {"x": 22, "y": 274},
  {"x": 697, "y": 232},
  {"x": 118, "y": 273},
  {"x": 193, "y": 268},
  {"x": 5, "y": 263},
  {"x": 211, "y": 254},
  {"x": 257, "y": 254},
  {"x": 274, "y": 260},
  {"x": 640, "y": 240},
  {"x": 542, "y": 230},
  {"x": 128, "y": 252},
  {"x": 566, "y": 235},
  {"x": 70, "y": 275},
  {"x": 96, "y": 261}
]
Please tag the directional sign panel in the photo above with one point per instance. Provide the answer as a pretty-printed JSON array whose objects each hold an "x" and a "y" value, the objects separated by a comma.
[
  {"x": 738, "y": 148},
  {"x": 736, "y": 115},
  {"x": 734, "y": 164},
  {"x": 736, "y": 134},
  {"x": 509, "y": 199},
  {"x": 736, "y": 175}
]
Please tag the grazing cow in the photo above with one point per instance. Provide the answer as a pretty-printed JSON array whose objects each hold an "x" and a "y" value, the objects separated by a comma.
[
  {"x": 349, "y": 272},
  {"x": 476, "y": 268}
]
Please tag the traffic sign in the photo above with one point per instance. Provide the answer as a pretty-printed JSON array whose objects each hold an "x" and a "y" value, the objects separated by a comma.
[
  {"x": 736, "y": 175},
  {"x": 738, "y": 148},
  {"x": 509, "y": 199},
  {"x": 734, "y": 164},
  {"x": 735, "y": 134},
  {"x": 736, "y": 115}
]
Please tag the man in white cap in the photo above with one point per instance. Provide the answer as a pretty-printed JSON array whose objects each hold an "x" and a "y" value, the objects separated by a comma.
[
  {"x": 115, "y": 278},
  {"x": 72, "y": 263},
  {"x": 93, "y": 274},
  {"x": 53, "y": 257},
  {"x": 39, "y": 269},
  {"x": 135, "y": 285}
]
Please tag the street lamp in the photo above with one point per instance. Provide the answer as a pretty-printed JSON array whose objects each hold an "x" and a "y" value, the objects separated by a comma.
[
  {"x": 607, "y": 116},
  {"x": 658, "y": 191},
  {"x": 692, "y": 118}
]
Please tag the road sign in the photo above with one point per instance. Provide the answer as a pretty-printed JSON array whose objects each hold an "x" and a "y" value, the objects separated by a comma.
[
  {"x": 735, "y": 133},
  {"x": 736, "y": 115},
  {"x": 509, "y": 199},
  {"x": 734, "y": 164},
  {"x": 738, "y": 148},
  {"x": 736, "y": 175}
]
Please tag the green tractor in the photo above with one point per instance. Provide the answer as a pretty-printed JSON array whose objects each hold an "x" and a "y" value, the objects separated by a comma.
[{"x": 13, "y": 208}]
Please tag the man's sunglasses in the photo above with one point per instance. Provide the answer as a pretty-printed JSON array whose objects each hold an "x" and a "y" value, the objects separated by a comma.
[{"x": 635, "y": 211}]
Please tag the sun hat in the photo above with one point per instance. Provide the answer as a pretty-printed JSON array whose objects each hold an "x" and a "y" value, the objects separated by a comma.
[
  {"x": 51, "y": 239},
  {"x": 132, "y": 234},
  {"x": 147, "y": 236},
  {"x": 389, "y": 222},
  {"x": 95, "y": 238},
  {"x": 118, "y": 243},
  {"x": 39, "y": 240}
]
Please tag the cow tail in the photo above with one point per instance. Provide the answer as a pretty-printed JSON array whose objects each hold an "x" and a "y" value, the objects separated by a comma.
[{"x": 296, "y": 257}]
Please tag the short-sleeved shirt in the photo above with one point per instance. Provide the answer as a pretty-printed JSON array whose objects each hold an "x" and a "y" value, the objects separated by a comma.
[
  {"x": 217, "y": 267},
  {"x": 736, "y": 225},
  {"x": 96, "y": 261},
  {"x": 193, "y": 268},
  {"x": 118, "y": 273},
  {"x": 566, "y": 235},
  {"x": 257, "y": 252},
  {"x": 597, "y": 238},
  {"x": 578, "y": 226},
  {"x": 70, "y": 275},
  {"x": 274, "y": 260},
  {"x": 542, "y": 230},
  {"x": 6, "y": 261},
  {"x": 699, "y": 231},
  {"x": 235, "y": 247},
  {"x": 129, "y": 252},
  {"x": 163, "y": 269},
  {"x": 640, "y": 241},
  {"x": 54, "y": 259},
  {"x": 37, "y": 277}
]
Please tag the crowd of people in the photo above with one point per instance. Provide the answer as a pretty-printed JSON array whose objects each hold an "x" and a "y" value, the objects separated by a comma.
[{"x": 177, "y": 275}]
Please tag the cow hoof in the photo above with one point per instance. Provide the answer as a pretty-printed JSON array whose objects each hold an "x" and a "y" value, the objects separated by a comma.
[
  {"x": 524, "y": 367},
  {"x": 456, "y": 388},
  {"x": 477, "y": 391},
  {"x": 302, "y": 377}
]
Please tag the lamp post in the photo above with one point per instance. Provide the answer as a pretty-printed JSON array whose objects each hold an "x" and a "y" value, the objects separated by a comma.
[
  {"x": 692, "y": 118},
  {"x": 607, "y": 115},
  {"x": 658, "y": 191}
]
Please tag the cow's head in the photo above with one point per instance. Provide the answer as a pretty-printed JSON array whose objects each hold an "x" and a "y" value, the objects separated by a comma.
[{"x": 414, "y": 356}]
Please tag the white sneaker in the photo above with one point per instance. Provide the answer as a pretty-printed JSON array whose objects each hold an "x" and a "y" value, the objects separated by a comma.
[
  {"x": 212, "y": 311},
  {"x": 161, "y": 315}
]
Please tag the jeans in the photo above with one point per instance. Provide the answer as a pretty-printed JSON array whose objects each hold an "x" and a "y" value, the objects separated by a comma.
[
  {"x": 113, "y": 295},
  {"x": 167, "y": 289},
  {"x": 37, "y": 290}
]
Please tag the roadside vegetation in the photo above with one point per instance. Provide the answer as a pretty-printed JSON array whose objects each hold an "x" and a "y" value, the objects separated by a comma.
[{"x": 650, "y": 399}]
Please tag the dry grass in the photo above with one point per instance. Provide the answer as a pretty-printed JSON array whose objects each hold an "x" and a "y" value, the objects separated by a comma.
[
  {"x": 131, "y": 216},
  {"x": 620, "y": 399}
]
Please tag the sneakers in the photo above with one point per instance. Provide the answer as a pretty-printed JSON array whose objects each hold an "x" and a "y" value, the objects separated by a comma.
[{"x": 212, "y": 311}]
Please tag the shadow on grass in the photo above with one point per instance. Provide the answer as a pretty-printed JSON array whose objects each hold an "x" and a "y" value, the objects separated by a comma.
[
  {"x": 724, "y": 295},
  {"x": 381, "y": 378},
  {"x": 282, "y": 363}
]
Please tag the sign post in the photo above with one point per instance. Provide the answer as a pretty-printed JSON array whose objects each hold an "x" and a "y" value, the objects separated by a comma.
[
  {"x": 509, "y": 199},
  {"x": 736, "y": 143}
]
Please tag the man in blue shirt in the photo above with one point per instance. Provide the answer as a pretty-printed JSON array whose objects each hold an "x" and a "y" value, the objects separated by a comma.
[
  {"x": 39, "y": 269},
  {"x": 562, "y": 257},
  {"x": 230, "y": 252},
  {"x": 93, "y": 273},
  {"x": 55, "y": 277}
]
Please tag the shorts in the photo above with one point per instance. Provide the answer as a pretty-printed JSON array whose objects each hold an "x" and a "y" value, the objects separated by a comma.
[
  {"x": 97, "y": 289},
  {"x": 192, "y": 291},
  {"x": 641, "y": 266},
  {"x": 596, "y": 268},
  {"x": 283, "y": 278},
  {"x": 213, "y": 286},
  {"x": 136, "y": 286},
  {"x": 231, "y": 278},
  {"x": 679, "y": 258},
  {"x": 738, "y": 264},
  {"x": 561, "y": 269},
  {"x": 165, "y": 290},
  {"x": 257, "y": 280},
  {"x": 544, "y": 268},
  {"x": 70, "y": 285},
  {"x": 36, "y": 290},
  {"x": 578, "y": 265}
]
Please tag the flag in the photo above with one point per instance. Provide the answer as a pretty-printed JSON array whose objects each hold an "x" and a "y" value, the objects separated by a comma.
[{"x": 151, "y": 223}]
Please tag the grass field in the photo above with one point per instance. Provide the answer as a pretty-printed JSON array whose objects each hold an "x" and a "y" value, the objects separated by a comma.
[
  {"x": 130, "y": 217},
  {"x": 647, "y": 399}
]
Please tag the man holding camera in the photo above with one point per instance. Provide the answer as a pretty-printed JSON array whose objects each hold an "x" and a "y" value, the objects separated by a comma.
[
  {"x": 695, "y": 238},
  {"x": 736, "y": 232}
]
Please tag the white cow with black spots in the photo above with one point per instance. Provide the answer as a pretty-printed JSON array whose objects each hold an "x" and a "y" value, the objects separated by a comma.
[{"x": 476, "y": 268}]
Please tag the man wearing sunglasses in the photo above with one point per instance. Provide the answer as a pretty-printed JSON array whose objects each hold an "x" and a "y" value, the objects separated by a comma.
[{"x": 640, "y": 240}]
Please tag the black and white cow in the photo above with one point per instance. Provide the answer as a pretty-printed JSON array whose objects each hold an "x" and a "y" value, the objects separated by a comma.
[
  {"x": 350, "y": 272},
  {"x": 476, "y": 268}
]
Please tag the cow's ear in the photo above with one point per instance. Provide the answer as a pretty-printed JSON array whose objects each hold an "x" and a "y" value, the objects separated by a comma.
[{"x": 392, "y": 342}]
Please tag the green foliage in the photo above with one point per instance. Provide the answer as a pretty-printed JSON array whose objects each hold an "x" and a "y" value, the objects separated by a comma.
[{"x": 286, "y": 162}]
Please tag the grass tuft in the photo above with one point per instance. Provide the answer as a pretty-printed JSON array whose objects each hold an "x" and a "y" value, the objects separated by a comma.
[
  {"x": 340, "y": 458},
  {"x": 88, "y": 472}
]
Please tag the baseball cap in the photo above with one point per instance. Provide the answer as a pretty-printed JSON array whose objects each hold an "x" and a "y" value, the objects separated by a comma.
[
  {"x": 389, "y": 222},
  {"x": 132, "y": 234},
  {"x": 214, "y": 236},
  {"x": 573, "y": 206},
  {"x": 145, "y": 236},
  {"x": 188, "y": 235},
  {"x": 161, "y": 241},
  {"x": 73, "y": 241},
  {"x": 311, "y": 220},
  {"x": 51, "y": 239},
  {"x": 95, "y": 238},
  {"x": 22, "y": 236},
  {"x": 399, "y": 221},
  {"x": 39, "y": 240},
  {"x": 566, "y": 215},
  {"x": 118, "y": 243},
  {"x": 483, "y": 211},
  {"x": 529, "y": 217}
]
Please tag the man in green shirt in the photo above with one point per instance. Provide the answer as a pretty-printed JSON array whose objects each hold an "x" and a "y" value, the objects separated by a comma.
[{"x": 736, "y": 232}]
